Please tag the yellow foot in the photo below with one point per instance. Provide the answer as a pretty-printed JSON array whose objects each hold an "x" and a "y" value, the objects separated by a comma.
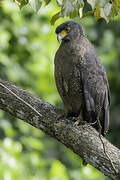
[
  {"x": 77, "y": 123},
  {"x": 77, "y": 120}
]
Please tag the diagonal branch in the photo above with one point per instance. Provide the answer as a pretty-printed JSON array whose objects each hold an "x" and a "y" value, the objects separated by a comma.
[{"x": 83, "y": 140}]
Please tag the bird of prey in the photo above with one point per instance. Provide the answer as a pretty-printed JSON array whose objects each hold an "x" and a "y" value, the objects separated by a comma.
[{"x": 81, "y": 78}]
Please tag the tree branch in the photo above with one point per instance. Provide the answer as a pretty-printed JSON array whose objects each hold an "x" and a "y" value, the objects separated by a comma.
[{"x": 83, "y": 140}]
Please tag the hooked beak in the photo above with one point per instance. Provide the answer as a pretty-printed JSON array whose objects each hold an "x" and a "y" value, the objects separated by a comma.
[{"x": 59, "y": 38}]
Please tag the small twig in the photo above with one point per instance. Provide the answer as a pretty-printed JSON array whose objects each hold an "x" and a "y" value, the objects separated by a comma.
[
  {"x": 100, "y": 136},
  {"x": 27, "y": 104}
]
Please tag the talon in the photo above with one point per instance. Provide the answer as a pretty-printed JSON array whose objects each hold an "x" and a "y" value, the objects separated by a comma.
[
  {"x": 93, "y": 123},
  {"x": 76, "y": 123},
  {"x": 77, "y": 120}
]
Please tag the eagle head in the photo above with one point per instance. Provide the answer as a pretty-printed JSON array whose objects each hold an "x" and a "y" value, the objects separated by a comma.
[{"x": 68, "y": 31}]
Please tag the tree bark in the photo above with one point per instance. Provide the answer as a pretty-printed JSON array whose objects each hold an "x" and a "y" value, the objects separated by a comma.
[{"x": 83, "y": 140}]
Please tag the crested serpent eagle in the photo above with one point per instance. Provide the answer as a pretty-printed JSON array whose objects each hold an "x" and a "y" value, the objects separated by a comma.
[{"x": 81, "y": 78}]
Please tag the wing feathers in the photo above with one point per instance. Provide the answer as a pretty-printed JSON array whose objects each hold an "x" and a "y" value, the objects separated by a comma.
[
  {"x": 106, "y": 110},
  {"x": 96, "y": 94}
]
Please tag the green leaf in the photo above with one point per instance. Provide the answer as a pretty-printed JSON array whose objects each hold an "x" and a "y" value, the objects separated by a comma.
[
  {"x": 103, "y": 12},
  {"x": 59, "y": 3},
  {"x": 103, "y": 15},
  {"x": 107, "y": 9},
  {"x": 115, "y": 8},
  {"x": 21, "y": 3},
  {"x": 80, "y": 3},
  {"x": 74, "y": 13},
  {"x": 97, "y": 13},
  {"x": 54, "y": 18},
  {"x": 101, "y": 3},
  {"x": 97, "y": 3},
  {"x": 92, "y": 3},
  {"x": 71, "y": 8},
  {"x": 67, "y": 8},
  {"x": 81, "y": 12},
  {"x": 35, "y": 4},
  {"x": 77, "y": 4}
]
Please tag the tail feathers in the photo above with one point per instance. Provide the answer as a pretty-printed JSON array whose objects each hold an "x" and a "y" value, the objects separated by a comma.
[
  {"x": 106, "y": 121},
  {"x": 106, "y": 106},
  {"x": 105, "y": 118}
]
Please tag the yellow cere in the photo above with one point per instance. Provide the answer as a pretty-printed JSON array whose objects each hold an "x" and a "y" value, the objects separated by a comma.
[{"x": 63, "y": 33}]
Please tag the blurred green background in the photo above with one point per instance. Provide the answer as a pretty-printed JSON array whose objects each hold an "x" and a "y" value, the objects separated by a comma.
[{"x": 27, "y": 49}]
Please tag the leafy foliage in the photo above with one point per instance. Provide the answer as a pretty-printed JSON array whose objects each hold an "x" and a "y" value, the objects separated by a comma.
[{"x": 105, "y": 9}]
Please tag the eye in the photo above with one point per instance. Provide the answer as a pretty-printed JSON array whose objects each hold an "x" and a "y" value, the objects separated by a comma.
[{"x": 68, "y": 29}]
